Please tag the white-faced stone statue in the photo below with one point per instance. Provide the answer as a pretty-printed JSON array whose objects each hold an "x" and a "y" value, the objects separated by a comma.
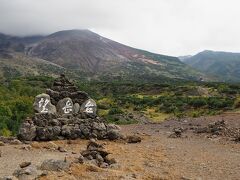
[
  {"x": 42, "y": 104},
  {"x": 65, "y": 106},
  {"x": 89, "y": 107}
]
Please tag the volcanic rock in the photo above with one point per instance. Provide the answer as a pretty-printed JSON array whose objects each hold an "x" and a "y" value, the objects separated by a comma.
[
  {"x": 42, "y": 104},
  {"x": 133, "y": 139},
  {"x": 27, "y": 131},
  {"x": 96, "y": 154},
  {"x": 54, "y": 165},
  {"x": 65, "y": 106},
  {"x": 29, "y": 172},
  {"x": 89, "y": 108},
  {"x": 24, "y": 164}
]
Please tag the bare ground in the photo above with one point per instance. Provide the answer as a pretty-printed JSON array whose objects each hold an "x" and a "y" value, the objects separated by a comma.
[{"x": 193, "y": 156}]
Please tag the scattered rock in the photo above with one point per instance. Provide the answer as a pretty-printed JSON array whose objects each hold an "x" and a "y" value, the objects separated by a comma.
[
  {"x": 29, "y": 172},
  {"x": 81, "y": 159},
  {"x": 95, "y": 154},
  {"x": 2, "y": 143},
  {"x": 217, "y": 127},
  {"x": 201, "y": 130},
  {"x": 8, "y": 178},
  {"x": 61, "y": 149},
  {"x": 44, "y": 173},
  {"x": 15, "y": 142},
  {"x": 237, "y": 139},
  {"x": 24, "y": 164},
  {"x": 133, "y": 139},
  {"x": 27, "y": 147},
  {"x": 177, "y": 132},
  {"x": 113, "y": 134},
  {"x": 104, "y": 165},
  {"x": 110, "y": 160},
  {"x": 54, "y": 165},
  {"x": 7, "y": 139}
]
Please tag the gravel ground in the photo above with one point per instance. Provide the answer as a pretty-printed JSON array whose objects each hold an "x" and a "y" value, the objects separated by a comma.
[{"x": 192, "y": 156}]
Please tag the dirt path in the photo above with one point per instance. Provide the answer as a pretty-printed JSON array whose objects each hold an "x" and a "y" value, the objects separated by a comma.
[{"x": 156, "y": 157}]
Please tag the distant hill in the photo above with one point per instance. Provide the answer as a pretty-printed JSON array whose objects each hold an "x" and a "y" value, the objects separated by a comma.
[
  {"x": 223, "y": 65},
  {"x": 90, "y": 55},
  {"x": 182, "y": 58}
]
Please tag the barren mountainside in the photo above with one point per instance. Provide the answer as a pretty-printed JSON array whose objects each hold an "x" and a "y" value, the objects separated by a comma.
[{"x": 85, "y": 52}]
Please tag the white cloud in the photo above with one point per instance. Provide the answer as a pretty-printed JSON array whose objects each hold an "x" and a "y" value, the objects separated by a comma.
[{"x": 173, "y": 27}]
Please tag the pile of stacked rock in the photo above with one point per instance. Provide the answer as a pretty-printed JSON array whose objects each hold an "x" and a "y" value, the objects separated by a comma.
[
  {"x": 65, "y": 113},
  {"x": 96, "y": 154}
]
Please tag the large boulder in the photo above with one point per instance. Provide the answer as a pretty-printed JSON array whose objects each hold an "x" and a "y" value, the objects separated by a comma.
[
  {"x": 42, "y": 104},
  {"x": 89, "y": 107},
  {"x": 65, "y": 106}
]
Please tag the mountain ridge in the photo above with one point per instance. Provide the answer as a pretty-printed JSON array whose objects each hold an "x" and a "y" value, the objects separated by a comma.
[
  {"x": 85, "y": 52},
  {"x": 224, "y": 65}
]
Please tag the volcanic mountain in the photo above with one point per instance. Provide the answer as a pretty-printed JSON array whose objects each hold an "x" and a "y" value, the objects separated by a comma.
[{"x": 90, "y": 55}]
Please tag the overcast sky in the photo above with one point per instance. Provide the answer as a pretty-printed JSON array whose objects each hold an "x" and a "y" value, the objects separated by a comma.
[{"x": 172, "y": 27}]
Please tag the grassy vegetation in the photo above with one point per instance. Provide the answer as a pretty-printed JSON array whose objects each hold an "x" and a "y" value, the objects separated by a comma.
[{"x": 117, "y": 102}]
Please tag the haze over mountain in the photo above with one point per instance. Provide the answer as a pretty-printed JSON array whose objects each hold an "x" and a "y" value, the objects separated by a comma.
[
  {"x": 224, "y": 65},
  {"x": 90, "y": 55}
]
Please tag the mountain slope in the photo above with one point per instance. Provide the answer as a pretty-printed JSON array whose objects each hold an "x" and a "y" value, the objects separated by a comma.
[
  {"x": 17, "y": 64},
  {"x": 224, "y": 65},
  {"x": 85, "y": 51},
  {"x": 91, "y": 56}
]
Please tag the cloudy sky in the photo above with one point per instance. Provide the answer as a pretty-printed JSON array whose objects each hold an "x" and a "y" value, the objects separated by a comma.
[{"x": 172, "y": 27}]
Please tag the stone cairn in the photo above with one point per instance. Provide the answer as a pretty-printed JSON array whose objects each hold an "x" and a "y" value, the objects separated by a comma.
[{"x": 63, "y": 112}]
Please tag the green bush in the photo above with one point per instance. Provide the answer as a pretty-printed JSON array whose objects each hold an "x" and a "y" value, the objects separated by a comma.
[{"x": 115, "y": 110}]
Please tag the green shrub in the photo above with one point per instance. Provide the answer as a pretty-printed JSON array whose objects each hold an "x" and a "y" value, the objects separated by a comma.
[{"x": 115, "y": 110}]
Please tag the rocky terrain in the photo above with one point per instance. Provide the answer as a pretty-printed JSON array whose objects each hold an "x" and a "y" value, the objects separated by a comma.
[
  {"x": 66, "y": 139},
  {"x": 202, "y": 149}
]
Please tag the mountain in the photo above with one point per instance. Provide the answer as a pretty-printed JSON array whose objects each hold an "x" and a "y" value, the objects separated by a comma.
[
  {"x": 14, "y": 62},
  {"x": 223, "y": 65},
  {"x": 17, "y": 64},
  {"x": 182, "y": 58},
  {"x": 89, "y": 55}
]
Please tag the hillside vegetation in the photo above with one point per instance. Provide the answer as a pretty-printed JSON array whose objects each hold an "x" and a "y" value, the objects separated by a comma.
[
  {"x": 222, "y": 65},
  {"x": 121, "y": 102}
]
